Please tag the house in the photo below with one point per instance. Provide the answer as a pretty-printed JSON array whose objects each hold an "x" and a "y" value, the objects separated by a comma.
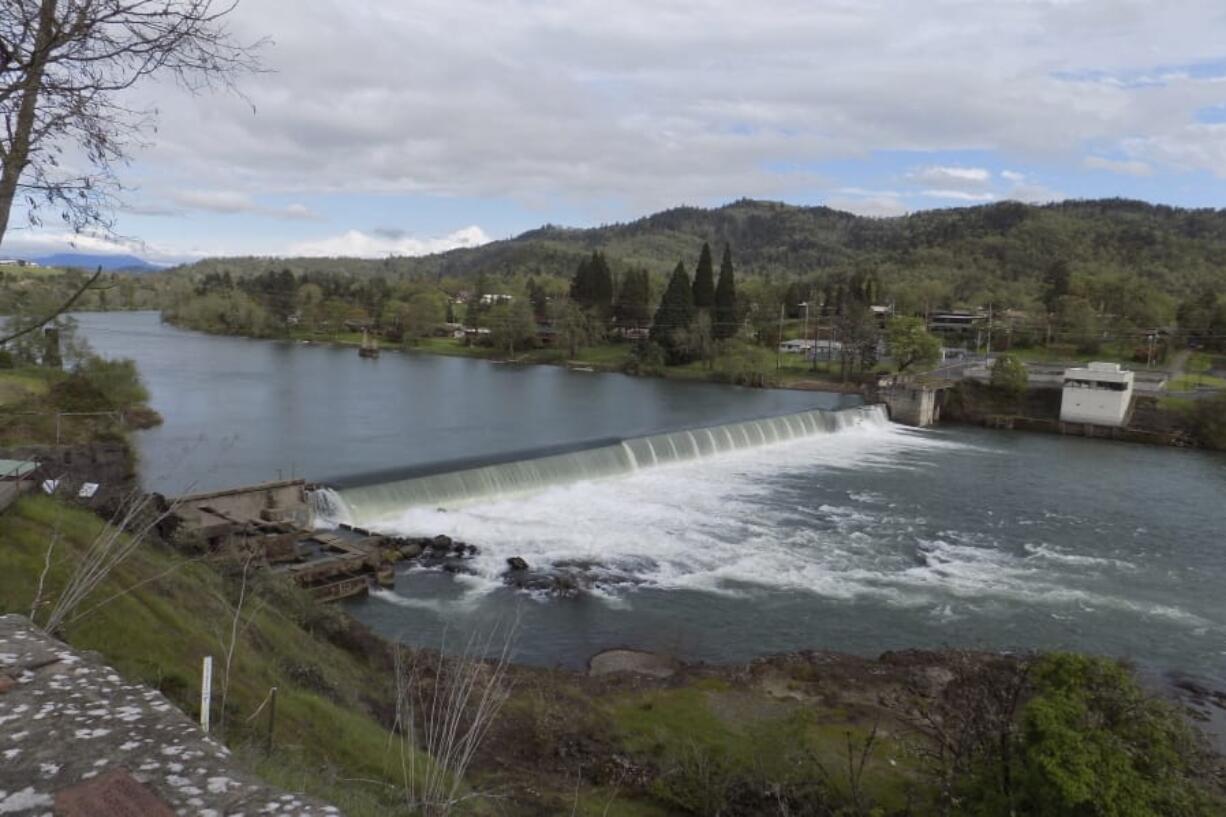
[
  {"x": 797, "y": 346},
  {"x": 956, "y": 322},
  {"x": 16, "y": 477},
  {"x": 1099, "y": 394},
  {"x": 494, "y": 298},
  {"x": 632, "y": 333},
  {"x": 18, "y": 470}
]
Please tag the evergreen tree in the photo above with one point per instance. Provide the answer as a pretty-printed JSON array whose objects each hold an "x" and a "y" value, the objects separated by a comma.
[
  {"x": 704, "y": 280},
  {"x": 539, "y": 300},
  {"x": 725, "y": 324},
  {"x": 602, "y": 285},
  {"x": 592, "y": 286},
  {"x": 634, "y": 300},
  {"x": 674, "y": 316},
  {"x": 1056, "y": 284},
  {"x": 581, "y": 284}
]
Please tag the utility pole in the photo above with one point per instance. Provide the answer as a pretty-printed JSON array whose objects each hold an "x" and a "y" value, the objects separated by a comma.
[
  {"x": 989, "y": 353},
  {"x": 779, "y": 340},
  {"x": 805, "y": 304}
]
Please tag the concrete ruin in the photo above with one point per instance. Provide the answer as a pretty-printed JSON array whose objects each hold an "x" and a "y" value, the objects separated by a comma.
[
  {"x": 267, "y": 519},
  {"x": 77, "y": 739},
  {"x": 912, "y": 404}
]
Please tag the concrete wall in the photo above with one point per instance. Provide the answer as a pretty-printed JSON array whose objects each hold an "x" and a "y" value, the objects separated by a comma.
[
  {"x": 1102, "y": 407},
  {"x": 912, "y": 405},
  {"x": 9, "y": 491},
  {"x": 284, "y": 501}
]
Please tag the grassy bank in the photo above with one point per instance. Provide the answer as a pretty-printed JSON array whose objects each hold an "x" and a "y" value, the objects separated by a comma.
[
  {"x": 741, "y": 362},
  {"x": 169, "y": 611},
  {"x": 97, "y": 401}
]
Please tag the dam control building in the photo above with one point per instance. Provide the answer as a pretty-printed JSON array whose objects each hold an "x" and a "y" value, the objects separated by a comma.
[{"x": 1099, "y": 394}]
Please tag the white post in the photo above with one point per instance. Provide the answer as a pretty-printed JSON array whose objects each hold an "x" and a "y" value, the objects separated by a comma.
[{"x": 206, "y": 693}]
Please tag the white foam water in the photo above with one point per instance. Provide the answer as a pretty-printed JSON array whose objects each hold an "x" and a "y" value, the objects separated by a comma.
[
  {"x": 714, "y": 524},
  {"x": 702, "y": 524},
  {"x": 517, "y": 478}
]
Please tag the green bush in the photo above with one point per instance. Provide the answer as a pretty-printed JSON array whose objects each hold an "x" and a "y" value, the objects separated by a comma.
[
  {"x": 1207, "y": 418},
  {"x": 1009, "y": 376},
  {"x": 6, "y": 359},
  {"x": 117, "y": 380},
  {"x": 1091, "y": 743}
]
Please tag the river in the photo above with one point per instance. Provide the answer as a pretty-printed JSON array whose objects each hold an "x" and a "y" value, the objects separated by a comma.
[{"x": 864, "y": 538}]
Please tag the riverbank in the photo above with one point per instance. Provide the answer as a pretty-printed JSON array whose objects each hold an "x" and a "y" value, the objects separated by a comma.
[
  {"x": 741, "y": 364},
  {"x": 636, "y": 735},
  {"x": 1153, "y": 420}
]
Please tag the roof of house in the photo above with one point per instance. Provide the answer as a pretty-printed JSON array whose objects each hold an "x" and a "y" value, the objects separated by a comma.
[{"x": 15, "y": 469}]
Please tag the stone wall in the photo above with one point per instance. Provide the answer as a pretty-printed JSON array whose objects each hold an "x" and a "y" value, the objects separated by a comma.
[{"x": 76, "y": 738}]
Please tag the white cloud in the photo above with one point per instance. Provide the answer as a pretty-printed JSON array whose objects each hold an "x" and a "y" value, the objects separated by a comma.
[
  {"x": 959, "y": 177},
  {"x": 960, "y": 195},
  {"x": 380, "y": 243},
  {"x": 1032, "y": 193},
  {"x": 215, "y": 201},
  {"x": 562, "y": 105},
  {"x": 1192, "y": 147},
  {"x": 875, "y": 206},
  {"x": 1128, "y": 167},
  {"x": 46, "y": 242},
  {"x": 230, "y": 202},
  {"x": 668, "y": 102}
]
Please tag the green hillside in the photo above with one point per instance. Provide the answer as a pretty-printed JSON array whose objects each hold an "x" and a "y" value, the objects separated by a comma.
[{"x": 995, "y": 252}]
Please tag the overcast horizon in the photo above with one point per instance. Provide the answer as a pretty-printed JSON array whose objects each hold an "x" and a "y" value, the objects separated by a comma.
[{"x": 386, "y": 129}]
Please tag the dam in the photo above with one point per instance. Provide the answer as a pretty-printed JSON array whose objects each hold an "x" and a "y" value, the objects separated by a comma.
[{"x": 365, "y": 499}]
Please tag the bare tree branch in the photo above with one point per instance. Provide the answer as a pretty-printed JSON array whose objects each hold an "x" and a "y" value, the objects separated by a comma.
[{"x": 63, "y": 64}]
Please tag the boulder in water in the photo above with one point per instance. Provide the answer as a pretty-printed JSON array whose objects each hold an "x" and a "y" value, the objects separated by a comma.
[
  {"x": 410, "y": 551},
  {"x": 456, "y": 566},
  {"x": 516, "y": 563},
  {"x": 635, "y": 661},
  {"x": 441, "y": 543},
  {"x": 560, "y": 584}
]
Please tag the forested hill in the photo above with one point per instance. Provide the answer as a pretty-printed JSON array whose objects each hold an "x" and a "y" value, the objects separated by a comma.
[{"x": 994, "y": 251}]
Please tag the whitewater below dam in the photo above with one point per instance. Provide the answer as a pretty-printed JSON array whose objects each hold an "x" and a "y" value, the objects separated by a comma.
[{"x": 713, "y": 523}]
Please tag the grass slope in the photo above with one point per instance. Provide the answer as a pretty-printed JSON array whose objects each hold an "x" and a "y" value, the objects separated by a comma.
[{"x": 180, "y": 610}]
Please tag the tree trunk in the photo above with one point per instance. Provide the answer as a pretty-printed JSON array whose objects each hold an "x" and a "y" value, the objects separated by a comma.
[{"x": 18, "y": 155}]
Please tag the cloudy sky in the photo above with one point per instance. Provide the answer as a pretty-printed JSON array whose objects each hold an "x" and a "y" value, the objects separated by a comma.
[{"x": 388, "y": 126}]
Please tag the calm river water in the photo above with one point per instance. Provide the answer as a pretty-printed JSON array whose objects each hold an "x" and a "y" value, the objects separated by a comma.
[{"x": 871, "y": 538}]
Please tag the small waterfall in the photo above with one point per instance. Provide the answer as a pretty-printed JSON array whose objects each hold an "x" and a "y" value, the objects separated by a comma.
[
  {"x": 328, "y": 509},
  {"x": 362, "y": 503}
]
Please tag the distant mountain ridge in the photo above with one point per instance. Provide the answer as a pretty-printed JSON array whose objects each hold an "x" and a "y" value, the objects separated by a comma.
[
  {"x": 126, "y": 263},
  {"x": 1009, "y": 242}
]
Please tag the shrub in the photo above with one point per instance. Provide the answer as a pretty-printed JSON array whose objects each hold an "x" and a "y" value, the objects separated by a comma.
[
  {"x": 1009, "y": 376},
  {"x": 1207, "y": 418},
  {"x": 1091, "y": 743}
]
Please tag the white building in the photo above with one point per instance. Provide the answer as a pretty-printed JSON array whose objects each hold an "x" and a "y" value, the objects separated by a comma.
[
  {"x": 1100, "y": 394},
  {"x": 797, "y": 346}
]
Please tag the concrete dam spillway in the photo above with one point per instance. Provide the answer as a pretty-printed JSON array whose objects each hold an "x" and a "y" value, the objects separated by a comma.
[{"x": 363, "y": 499}]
